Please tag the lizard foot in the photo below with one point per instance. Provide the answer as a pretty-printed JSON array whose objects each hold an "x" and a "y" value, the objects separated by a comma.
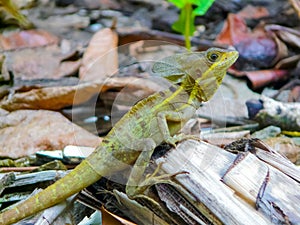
[
  {"x": 164, "y": 176},
  {"x": 152, "y": 179},
  {"x": 181, "y": 137}
]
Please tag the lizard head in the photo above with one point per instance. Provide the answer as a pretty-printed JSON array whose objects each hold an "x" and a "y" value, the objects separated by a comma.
[
  {"x": 199, "y": 73},
  {"x": 218, "y": 61},
  {"x": 211, "y": 71}
]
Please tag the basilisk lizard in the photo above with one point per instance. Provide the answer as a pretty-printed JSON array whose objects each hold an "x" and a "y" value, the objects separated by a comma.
[{"x": 150, "y": 122}]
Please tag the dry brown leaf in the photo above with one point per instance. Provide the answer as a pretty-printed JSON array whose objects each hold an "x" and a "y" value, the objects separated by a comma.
[
  {"x": 101, "y": 57},
  {"x": 68, "y": 68},
  {"x": 286, "y": 34},
  {"x": 49, "y": 98},
  {"x": 40, "y": 63},
  {"x": 58, "y": 97},
  {"x": 289, "y": 62},
  {"x": 26, "y": 39},
  {"x": 261, "y": 78},
  {"x": 24, "y": 132},
  {"x": 258, "y": 48}
]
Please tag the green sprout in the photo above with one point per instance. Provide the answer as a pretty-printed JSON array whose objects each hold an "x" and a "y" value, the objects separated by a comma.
[
  {"x": 12, "y": 11},
  {"x": 185, "y": 23}
]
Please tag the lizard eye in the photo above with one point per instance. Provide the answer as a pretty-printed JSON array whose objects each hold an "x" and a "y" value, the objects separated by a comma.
[{"x": 213, "y": 57}]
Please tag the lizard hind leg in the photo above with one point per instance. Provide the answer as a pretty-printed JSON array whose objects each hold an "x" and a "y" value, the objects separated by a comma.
[
  {"x": 137, "y": 184},
  {"x": 133, "y": 186}
]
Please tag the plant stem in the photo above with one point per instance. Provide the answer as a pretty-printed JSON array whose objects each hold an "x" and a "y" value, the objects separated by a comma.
[{"x": 188, "y": 10}]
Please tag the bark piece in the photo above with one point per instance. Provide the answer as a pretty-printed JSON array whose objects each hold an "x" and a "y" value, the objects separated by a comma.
[{"x": 231, "y": 187}]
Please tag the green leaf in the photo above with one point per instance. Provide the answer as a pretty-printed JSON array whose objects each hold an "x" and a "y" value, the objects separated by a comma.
[
  {"x": 185, "y": 23},
  {"x": 203, "y": 6},
  {"x": 179, "y": 3},
  {"x": 180, "y": 24}
]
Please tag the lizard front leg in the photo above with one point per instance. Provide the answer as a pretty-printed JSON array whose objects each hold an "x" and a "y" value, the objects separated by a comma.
[
  {"x": 176, "y": 119},
  {"x": 136, "y": 185}
]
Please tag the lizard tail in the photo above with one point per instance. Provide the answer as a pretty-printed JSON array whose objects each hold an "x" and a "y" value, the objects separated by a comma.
[{"x": 81, "y": 177}]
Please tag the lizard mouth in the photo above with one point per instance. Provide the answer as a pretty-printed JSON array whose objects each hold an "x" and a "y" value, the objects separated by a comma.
[{"x": 229, "y": 59}]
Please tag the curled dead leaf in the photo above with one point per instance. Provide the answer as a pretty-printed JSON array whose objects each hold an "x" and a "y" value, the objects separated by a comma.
[
  {"x": 261, "y": 78},
  {"x": 101, "y": 57},
  {"x": 257, "y": 48},
  {"x": 287, "y": 34}
]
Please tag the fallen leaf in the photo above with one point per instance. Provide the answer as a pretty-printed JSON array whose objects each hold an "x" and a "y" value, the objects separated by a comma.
[
  {"x": 25, "y": 132},
  {"x": 257, "y": 48},
  {"x": 59, "y": 97},
  {"x": 49, "y": 97},
  {"x": 67, "y": 68},
  {"x": 287, "y": 34},
  {"x": 26, "y": 39},
  {"x": 100, "y": 60},
  {"x": 261, "y": 78},
  {"x": 287, "y": 63},
  {"x": 253, "y": 12},
  {"x": 282, "y": 50},
  {"x": 40, "y": 63}
]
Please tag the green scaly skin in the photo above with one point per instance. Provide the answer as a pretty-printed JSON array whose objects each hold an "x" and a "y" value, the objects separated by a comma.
[{"x": 132, "y": 140}]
